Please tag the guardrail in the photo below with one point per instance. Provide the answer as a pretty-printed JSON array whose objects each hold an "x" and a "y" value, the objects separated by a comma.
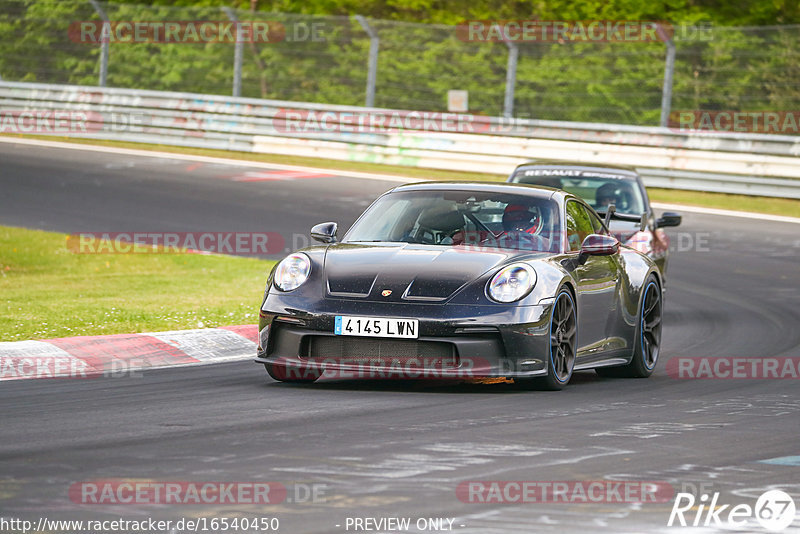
[{"x": 754, "y": 164}]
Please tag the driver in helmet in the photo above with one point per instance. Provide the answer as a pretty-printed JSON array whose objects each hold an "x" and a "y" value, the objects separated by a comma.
[
  {"x": 605, "y": 195},
  {"x": 522, "y": 227},
  {"x": 519, "y": 218}
]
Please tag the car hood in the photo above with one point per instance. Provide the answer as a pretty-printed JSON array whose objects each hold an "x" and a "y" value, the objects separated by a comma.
[{"x": 410, "y": 272}]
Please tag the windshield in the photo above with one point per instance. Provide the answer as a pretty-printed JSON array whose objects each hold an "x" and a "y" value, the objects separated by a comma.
[
  {"x": 597, "y": 188},
  {"x": 454, "y": 218}
]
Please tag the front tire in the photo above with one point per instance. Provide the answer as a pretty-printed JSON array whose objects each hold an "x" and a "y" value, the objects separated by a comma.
[
  {"x": 647, "y": 344},
  {"x": 563, "y": 342}
]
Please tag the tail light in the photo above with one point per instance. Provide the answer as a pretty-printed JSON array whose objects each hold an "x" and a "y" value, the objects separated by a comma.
[{"x": 641, "y": 242}]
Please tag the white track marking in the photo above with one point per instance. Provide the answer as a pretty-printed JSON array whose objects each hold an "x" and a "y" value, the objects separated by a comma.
[
  {"x": 209, "y": 345},
  {"x": 40, "y": 359},
  {"x": 727, "y": 213},
  {"x": 37, "y": 359}
]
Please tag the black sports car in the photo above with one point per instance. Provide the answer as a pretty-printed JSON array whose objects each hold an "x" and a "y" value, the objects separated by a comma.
[
  {"x": 600, "y": 186},
  {"x": 459, "y": 279}
]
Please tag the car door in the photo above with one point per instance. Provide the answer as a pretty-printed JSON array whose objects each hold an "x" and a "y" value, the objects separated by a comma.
[{"x": 597, "y": 280}]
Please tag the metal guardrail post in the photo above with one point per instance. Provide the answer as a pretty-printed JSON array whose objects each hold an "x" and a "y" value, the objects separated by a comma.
[
  {"x": 238, "y": 52},
  {"x": 669, "y": 69},
  {"x": 105, "y": 40},
  {"x": 372, "y": 66},
  {"x": 511, "y": 79}
]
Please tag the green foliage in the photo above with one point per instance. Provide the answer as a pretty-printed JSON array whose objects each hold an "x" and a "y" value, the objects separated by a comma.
[
  {"x": 740, "y": 13},
  {"x": 717, "y": 67}
]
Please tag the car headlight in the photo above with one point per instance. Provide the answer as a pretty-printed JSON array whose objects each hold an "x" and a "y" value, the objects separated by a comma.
[
  {"x": 292, "y": 271},
  {"x": 512, "y": 283}
]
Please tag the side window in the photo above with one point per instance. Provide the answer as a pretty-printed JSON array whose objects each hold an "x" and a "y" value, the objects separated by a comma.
[
  {"x": 579, "y": 225},
  {"x": 597, "y": 225}
]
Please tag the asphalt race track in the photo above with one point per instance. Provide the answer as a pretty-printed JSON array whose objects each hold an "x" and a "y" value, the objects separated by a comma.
[{"x": 399, "y": 449}]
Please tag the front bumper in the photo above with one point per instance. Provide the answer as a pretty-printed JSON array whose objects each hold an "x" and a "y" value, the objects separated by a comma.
[{"x": 455, "y": 341}]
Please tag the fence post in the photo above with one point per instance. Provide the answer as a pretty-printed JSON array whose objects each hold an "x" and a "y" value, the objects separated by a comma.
[
  {"x": 372, "y": 67},
  {"x": 105, "y": 40},
  {"x": 666, "y": 93},
  {"x": 237, "y": 52},
  {"x": 511, "y": 79}
]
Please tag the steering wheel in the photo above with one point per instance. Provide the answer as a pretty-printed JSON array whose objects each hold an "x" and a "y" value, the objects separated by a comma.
[
  {"x": 526, "y": 241},
  {"x": 420, "y": 237}
]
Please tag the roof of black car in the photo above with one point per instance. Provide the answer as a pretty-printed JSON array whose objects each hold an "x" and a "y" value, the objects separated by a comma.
[{"x": 486, "y": 187}]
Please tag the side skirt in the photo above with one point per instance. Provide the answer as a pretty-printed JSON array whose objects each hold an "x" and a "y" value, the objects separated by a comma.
[{"x": 602, "y": 363}]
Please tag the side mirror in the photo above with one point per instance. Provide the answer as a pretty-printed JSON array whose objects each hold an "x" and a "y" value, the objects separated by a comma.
[
  {"x": 324, "y": 232},
  {"x": 668, "y": 218},
  {"x": 598, "y": 245}
]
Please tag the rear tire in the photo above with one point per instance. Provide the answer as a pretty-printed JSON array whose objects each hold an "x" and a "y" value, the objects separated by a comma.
[{"x": 647, "y": 344}]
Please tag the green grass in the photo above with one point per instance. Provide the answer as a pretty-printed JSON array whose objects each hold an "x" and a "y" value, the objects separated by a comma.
[
  {"x": 48, "y": 291},
  {"x": 773, "y": 206},
  {"x": 768, "y": 205}
]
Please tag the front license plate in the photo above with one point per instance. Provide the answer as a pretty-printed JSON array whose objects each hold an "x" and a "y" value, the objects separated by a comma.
[{"x": 376, "y": 327}]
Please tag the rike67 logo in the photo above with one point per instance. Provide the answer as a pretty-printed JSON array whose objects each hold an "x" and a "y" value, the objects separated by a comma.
[{"x": 774, "y": 511}]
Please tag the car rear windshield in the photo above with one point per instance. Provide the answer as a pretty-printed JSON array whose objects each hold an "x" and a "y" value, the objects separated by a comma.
[
  {"x": 450, "y": 218},
  {"x": 597, "y": 188}
]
